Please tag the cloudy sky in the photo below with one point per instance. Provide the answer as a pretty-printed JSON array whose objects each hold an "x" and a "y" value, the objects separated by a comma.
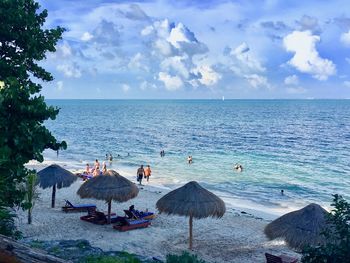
[{"x": 200, "y": 49}]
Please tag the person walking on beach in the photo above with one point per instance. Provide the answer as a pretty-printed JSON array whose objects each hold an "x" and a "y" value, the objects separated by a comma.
[
  {"x": 140, "y": 174},
  {"x": 148, "y": 172}
]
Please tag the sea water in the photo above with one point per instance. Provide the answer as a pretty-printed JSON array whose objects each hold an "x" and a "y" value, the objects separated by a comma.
[{"x": 300, "y": 146}]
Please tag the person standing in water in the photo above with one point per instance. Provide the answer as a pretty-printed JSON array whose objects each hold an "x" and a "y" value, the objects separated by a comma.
[
  {"x": 97, "y": 164},
  {"x": 140, "y": 174},
  {"x": 148, "y": 172},
  {"x": 189, "y": 159},
  {"x": 104, "y": 168}
]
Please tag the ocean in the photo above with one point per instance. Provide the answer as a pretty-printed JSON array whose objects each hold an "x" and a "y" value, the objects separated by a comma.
[{"x": 300, "y": 146}]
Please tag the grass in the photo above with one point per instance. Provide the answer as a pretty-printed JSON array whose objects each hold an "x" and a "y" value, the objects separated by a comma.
[{"x": 124, "y": 257}]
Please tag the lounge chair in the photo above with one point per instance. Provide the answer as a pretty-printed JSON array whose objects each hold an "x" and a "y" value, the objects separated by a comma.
[
  {"x": 279, "y": 259},
  {"x": 124, "y": 224},
  {"x": 69, "y": 207},
  {"x": 139, "y": 215},
  {"x": 100, "y": 218}
]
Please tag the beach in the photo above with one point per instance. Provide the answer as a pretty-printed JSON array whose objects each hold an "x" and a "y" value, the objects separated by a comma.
[{"x": 236, "y": 237}]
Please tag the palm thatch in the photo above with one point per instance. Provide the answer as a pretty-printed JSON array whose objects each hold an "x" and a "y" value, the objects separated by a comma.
[
  {"x": 191, "y": 200},
  {"x": 55, "y": 176},
  {"x": 108, "y": 187},
  {"x": 300, "y": 228}
]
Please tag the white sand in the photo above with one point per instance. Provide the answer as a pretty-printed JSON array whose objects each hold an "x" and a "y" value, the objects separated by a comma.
[{"x": 233, "y": 238}]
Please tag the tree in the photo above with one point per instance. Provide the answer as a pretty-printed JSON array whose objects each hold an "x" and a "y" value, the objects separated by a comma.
[
  {"x": 23, "y": 137},
  {"x": 32, "y": 194},
  {"x": 337, "y": 247}
]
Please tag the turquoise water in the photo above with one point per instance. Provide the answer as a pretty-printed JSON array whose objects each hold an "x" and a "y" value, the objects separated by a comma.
[{"x": 301, "y": 146}]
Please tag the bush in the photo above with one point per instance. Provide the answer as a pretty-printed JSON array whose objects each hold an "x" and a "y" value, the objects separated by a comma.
[
  {"x": 127, "y": 258},
  {"x": 185, "y": 257},
  {"x": 7, "y": 223},
  {"x": 337, "y": 247}
]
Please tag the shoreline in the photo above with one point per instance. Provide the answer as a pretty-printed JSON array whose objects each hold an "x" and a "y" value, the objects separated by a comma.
[
  {"x": 238, "y": 204},
  {"x": 236, "y": 237}
]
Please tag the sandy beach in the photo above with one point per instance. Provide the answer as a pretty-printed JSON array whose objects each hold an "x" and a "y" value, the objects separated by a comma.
[{"x": 236, "y": 237}]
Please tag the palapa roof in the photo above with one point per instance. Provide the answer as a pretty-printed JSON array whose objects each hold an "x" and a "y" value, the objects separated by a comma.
[
  {"x": 192, "y": 199},
  {"x": 300, "y": 228},
  {"x": 55, "y": 175},
  {"x": 111, "y": 186}
]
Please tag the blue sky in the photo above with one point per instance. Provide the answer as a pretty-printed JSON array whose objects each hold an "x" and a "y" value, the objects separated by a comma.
[{"x": 202, "y": 49}]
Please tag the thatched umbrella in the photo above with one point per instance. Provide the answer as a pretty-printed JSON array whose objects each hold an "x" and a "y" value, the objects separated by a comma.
[
  {"x": 300, "y": 228},
  {"x": 111, "y": 186},
  {"x": 193, "y": 201},
  {"x": 54, "y": 175}
]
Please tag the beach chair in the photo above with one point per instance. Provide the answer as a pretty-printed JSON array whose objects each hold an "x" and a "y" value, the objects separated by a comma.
[
  {"x": 125, "y": 224},
  {"x": 279, "y": 259},
  {"x": 69, "y": 207},
  {"x": 139, "y": 215},
  {"x": 100, "y": 218}
]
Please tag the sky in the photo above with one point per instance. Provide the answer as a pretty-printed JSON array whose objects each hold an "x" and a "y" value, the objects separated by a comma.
[{"x": 268, "y": 49}]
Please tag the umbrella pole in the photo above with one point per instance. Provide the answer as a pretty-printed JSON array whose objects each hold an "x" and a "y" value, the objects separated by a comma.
[
  {"x": 53, "y": 196},
  {"x": 109, "y": 211},
  {"x": 191, "y": 222}
]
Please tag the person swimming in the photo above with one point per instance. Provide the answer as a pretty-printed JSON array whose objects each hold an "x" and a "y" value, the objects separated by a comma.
[{"x": 238, "y": 167}]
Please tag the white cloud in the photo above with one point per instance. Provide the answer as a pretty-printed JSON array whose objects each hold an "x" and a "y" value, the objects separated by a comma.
[
  {"x": 208, "y": 77},
  {"x": 59, "y": 85},
  {"x": 171, "y": 39},
  {"x": 170, "y": 82},
  {"x": 125, "y": 88},
  {"x": 86, "y": 36},
  {"x": 306, "y": 58},
  {"x": 296, "y": 90},
  {"x": 257, "y": 81},
  {"x": 145, "y": 85},
  {"x": 70, "y": 70},
  {"x": 345, "y": 38},
  {"x": 138, "y": 62},
  {"x": 175, "y": 64},
  {"x": 244, "y": 60},
  {"x": 179, "y": 34},
  {"x": 163, "y": 46},
  {"x": 346, "y": 83},
  {"x": 147, "y": 30},
  {"x": 291, "y": 80}
]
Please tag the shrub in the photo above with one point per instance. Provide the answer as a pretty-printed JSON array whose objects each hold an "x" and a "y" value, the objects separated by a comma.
[
  {"x": 127, "y": 258},
  {"x": 185, "y": 257},
  {"x": 7, "y": 223},
  {"x": 337, "y": 246}
]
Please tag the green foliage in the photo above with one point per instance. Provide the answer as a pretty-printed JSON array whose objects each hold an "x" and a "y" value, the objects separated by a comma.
[
  {"x": 185, "y": 257},
  {"x": 23, "y": 137},
  {"x": 31, "y": 194},
  {"x": 337, "y": 247},
  {"x": 7, "y": 224},
  {"x": 127, "y": 258}
]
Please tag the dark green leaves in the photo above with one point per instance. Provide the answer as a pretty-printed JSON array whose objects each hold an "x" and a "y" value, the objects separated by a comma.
[{"x": 23, "y": 137}]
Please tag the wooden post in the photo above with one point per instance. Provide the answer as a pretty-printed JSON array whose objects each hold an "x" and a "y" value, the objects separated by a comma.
[
  {"x": 191, "y": 237},
  {"x": 30, "y": 215},
  {"x": 53, "y": 196},
  {"x": 109, "y": 211}
]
